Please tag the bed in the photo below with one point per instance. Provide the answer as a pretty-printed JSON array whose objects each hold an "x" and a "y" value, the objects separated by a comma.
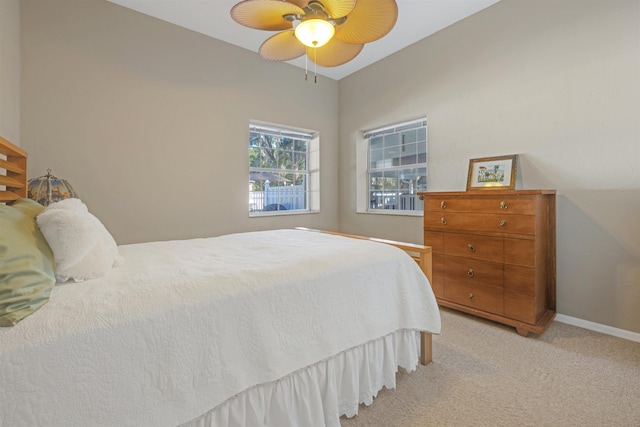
[{"x": 271, "y": 328}]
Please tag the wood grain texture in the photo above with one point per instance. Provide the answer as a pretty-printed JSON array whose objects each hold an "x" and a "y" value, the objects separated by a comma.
[
  {"x": 13, "y": 172},
  {"x": 495, "y": 253}
]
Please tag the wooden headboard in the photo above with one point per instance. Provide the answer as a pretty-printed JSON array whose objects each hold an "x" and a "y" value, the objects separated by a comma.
[{"x": 13, "y": 172}]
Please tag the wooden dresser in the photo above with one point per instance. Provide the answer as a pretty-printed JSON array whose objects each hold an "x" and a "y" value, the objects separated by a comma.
[{"x": 494, "y": 254}]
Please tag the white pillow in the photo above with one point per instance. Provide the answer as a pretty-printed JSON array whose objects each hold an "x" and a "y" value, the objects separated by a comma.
[{"x": 82, "y": 247}]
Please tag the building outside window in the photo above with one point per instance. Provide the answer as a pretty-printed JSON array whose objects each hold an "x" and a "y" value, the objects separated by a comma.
[
  {"x": 279, "y": 176},
  {"x": 397, "y": 166}
]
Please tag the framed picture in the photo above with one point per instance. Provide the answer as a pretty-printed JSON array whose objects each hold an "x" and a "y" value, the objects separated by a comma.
[{"x": 492, "y": 173}]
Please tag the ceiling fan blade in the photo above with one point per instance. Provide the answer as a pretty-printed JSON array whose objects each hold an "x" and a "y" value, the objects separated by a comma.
[
  {"x": 283, "y": 46},
  {"x": 369, "y": 21},
  {"x": 335, "y": 8},
  {"x": 264, "y": 14},
  {"x": 334, "y": 53},
  {"x": 300, "y": 3}
]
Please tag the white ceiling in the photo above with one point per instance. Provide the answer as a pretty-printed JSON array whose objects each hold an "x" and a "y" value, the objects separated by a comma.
[{"x": 417, "y": 19}]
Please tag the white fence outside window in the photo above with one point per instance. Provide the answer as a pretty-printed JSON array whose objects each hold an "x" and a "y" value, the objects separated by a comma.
[{"x": 289, "y": 197}]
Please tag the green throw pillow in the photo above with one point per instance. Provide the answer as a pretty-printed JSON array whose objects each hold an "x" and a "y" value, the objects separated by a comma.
[{"x": 26, "y": 262}]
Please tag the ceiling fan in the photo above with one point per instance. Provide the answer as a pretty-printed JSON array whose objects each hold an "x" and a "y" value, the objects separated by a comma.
[{"x": 330, "y": 32}]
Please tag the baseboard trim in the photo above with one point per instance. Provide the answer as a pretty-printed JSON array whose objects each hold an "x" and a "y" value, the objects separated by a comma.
[{"x": 592, "y": 326}]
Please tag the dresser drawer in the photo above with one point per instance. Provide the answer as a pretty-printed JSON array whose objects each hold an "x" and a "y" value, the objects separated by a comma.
[
  {"x": 485, "y": 204},
  {"x": 435, "y": 240},
  {"x": 458, "y": 270},
  {"x": 473, "y": 246},
  {"x": 519, "y": 252},
  {"x": 521, "y": 307},
  {"x": 437, "y": 281},
  {"x": 494, "y": 223},
  {"x": 520, "y": 279},
  {"x": 480, "y": 298}
]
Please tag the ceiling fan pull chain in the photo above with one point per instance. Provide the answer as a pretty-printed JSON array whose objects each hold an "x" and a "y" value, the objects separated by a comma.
[
  {"x": 306, "y": 66},
  {"x": 315, "y": 66}
]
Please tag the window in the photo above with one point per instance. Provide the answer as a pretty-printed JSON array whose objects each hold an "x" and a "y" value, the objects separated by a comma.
[
  {"x": 279, "y": 170},
  {"x": 397, "y": 166}
]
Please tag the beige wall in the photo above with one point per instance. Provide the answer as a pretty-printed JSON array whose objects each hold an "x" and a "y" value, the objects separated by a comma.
[
  {"x": 554, "y": 81},
  {"x": 10, "y": 70},
  {"x": 149, "y": 121}
]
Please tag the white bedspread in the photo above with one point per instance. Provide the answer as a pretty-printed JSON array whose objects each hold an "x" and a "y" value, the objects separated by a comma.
[{"x": 182, "y": 326}]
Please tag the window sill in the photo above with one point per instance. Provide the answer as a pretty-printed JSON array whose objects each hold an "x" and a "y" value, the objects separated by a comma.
[
  {"x": 280, "y": 213},
  {"x": 393, "y": 212}
]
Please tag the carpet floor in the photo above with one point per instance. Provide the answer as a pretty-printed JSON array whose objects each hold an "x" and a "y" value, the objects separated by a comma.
[{"x": 485, "y": 374}]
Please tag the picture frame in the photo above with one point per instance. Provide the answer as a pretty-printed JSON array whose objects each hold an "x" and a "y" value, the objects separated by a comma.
[{"x": 492, "y": 173}]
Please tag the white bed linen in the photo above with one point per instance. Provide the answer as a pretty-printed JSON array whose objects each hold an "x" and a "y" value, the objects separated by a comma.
[
  {"x": 182, "y": 326},
  {"x": 318, "y": 395}
]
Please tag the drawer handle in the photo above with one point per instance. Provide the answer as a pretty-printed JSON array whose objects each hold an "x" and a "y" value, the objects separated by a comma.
[
  {"x": 503, "y": 223},
  {"x": 471, "y": 273},
  {"x": 471, "y": 247},
  {"x": 472, "y": 297},
  {"x": 443, "y": 220},
  {"x": 503, "y": 205},
  {"x": 443, "y": 204}
]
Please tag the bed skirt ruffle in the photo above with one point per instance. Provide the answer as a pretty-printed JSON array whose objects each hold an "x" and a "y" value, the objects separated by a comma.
[{"x": 320, "y": 394}]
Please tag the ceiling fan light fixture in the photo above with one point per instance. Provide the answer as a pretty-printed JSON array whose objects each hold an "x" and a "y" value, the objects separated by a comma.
[{"x": 315, "y": 32}]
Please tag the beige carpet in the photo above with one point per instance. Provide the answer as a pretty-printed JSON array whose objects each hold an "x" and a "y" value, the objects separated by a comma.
[{"x": 485, "y": 374}]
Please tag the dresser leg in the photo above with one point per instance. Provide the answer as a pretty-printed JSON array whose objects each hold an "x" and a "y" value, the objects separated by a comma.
[{"x": 522, "y": 332}]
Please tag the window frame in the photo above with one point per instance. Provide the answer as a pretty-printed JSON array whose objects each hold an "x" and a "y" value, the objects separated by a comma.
[
  {"x": 364, "y": 170},
  {"x": 310, "y": 173}
]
